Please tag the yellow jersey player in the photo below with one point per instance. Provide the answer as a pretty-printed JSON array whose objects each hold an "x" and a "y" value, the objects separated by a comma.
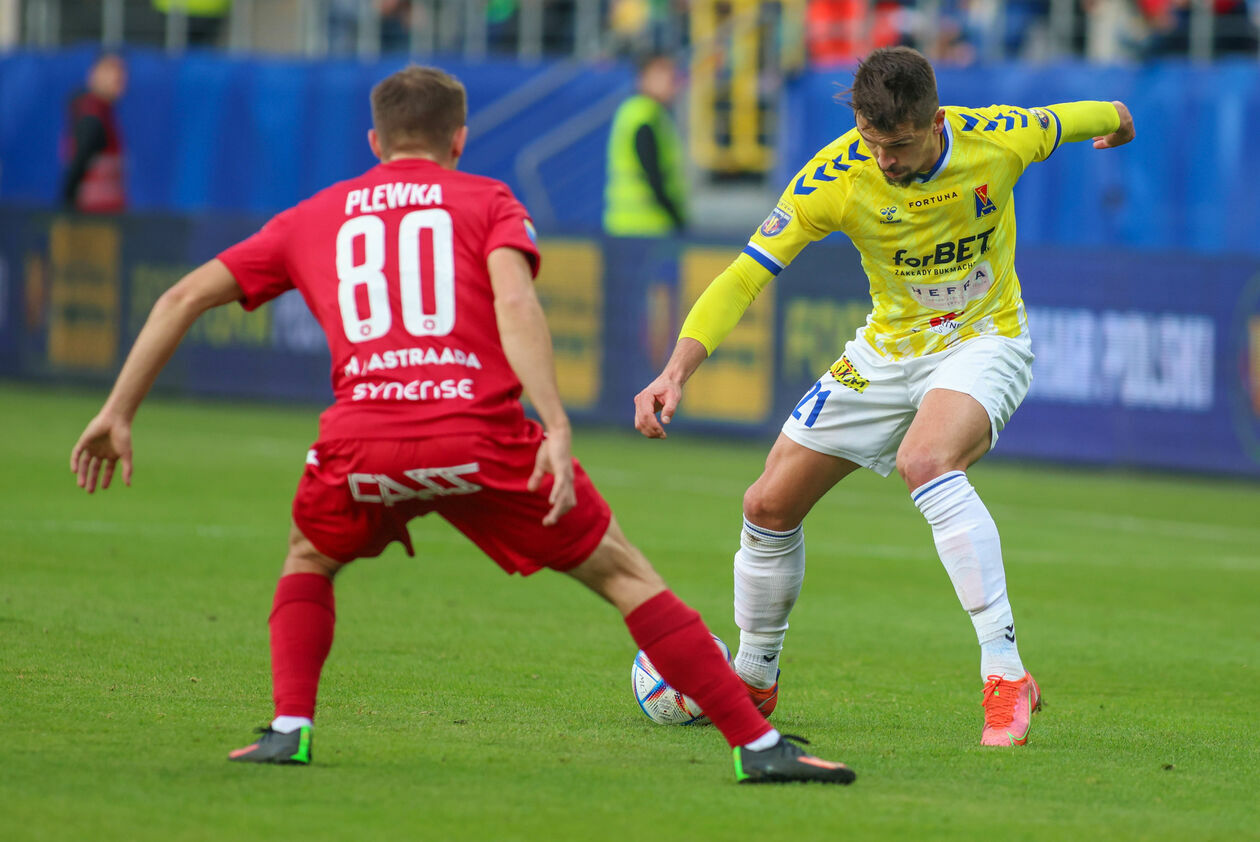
[{"x": 926, "y": 385}]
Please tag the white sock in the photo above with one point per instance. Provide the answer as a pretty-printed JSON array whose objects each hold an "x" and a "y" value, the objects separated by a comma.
[
  {"x": 967, "y": 541},
  {"x": 289, "y": 724},
  {"x": 769, "y": 569},
  {"x": 765, "y": 741}
]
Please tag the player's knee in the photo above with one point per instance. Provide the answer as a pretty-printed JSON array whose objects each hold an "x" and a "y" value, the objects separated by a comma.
[
  {"x": 768, "y": 510},
  {"x": 919, "y": 465}
]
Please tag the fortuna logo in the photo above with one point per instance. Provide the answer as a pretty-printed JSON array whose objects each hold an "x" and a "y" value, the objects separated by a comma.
[
  {"x": 984, "y": 205},
  {"x": 931, "y": 201},
  {"x": 889, "y": 213}
]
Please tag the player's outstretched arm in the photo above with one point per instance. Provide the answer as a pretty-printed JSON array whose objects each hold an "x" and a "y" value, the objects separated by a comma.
[
  {"x": 107, "y": 439},
  {"x": 1120, "y": 136},
  {"x": 527, "y": 345},
  {"x": 664, "y": 393}
]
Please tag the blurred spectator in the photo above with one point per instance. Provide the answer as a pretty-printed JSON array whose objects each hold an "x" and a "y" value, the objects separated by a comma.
[
  {"x": 839, "y": 31},
  {"x": 393, "y": 16},
  {"x": 93, "y": 180},
  {"x": 205, "y": 18},
  {"x": 647, "y": 25},
  {"x": 1234, "y": 30},
  {"x": 646, "y": 191},
  {"x": 395, "y": 25}
]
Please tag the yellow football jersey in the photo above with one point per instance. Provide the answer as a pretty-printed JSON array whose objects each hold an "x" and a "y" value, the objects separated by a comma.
[{"x": 939, "y": 253}]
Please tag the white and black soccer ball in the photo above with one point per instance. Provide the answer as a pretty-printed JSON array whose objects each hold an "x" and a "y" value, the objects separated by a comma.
[{"x": 662, "y": 703}]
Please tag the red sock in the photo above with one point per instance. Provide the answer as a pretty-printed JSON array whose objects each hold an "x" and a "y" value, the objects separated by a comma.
[
  {"x": 302, "y": 619},
  {"x": 678, "y": 643}
]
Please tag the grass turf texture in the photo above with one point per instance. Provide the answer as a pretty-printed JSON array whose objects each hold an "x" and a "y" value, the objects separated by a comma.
[{"x": 461, "y": 704}]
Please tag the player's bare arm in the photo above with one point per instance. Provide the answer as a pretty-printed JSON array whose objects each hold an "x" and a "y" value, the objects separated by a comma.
[
  {"x": 107, "y": 439},
  {"x": 1120, "y": 136},
  {"x": 664, "y": 393},
  {"x": 527, "y": 344}
]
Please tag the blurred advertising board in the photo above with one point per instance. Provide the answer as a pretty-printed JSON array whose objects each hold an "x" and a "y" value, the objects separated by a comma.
[{"x": 1144, "y": 358}]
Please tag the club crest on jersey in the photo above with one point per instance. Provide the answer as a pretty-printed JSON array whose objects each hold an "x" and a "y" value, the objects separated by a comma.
[
  {"x": 1043, "y": 119},
  {"x": 889, "y": 215},
  {"x": 984, "y": 205},
  {"x": 775, "y": 222}
]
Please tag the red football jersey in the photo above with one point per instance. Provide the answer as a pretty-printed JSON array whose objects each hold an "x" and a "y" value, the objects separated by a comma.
[{"x": 393, "y": 265}]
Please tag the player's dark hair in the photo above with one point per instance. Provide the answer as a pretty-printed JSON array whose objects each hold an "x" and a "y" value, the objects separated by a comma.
[
  {"x": 894, "y": 86},
  {"x": 418, "y": 109}
]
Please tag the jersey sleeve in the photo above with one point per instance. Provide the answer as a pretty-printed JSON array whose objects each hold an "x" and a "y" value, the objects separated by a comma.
[
  {"x": 1034, "y": 133},
  {"x": 259, "y": 265},
  {"x": 802, "y": 215},
  {"x": 511, "y": 227}
]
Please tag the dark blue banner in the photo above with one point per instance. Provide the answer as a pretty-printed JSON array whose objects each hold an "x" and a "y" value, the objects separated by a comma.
[{"x": 1143, "y": 359}]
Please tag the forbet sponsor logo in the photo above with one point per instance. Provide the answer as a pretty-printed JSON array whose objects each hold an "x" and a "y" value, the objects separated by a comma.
[{"x": 950, "y": 251}]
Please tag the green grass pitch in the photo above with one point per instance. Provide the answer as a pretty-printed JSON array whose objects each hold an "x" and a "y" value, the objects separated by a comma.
[{"x": 460, "y": 704}]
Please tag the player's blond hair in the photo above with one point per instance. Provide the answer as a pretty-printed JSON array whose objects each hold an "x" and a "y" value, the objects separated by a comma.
[
  {"x": 418, "y": 109},
  {"x": 894, "y": 86}
]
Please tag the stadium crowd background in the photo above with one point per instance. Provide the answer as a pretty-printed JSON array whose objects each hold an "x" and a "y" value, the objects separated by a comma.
[{"x": 1143, "y": 280}]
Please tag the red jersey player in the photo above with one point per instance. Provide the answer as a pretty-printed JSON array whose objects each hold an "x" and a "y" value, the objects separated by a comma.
[{"x": 421, "y": 277}]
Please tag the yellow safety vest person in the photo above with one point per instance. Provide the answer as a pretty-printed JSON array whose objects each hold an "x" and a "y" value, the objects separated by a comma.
[{"x": 645, "y": 195}]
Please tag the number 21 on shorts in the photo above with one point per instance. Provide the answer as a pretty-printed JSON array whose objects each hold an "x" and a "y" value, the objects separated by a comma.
[
  {"x": 819, "y": 397},
  {"x": 370, "y": 274}
]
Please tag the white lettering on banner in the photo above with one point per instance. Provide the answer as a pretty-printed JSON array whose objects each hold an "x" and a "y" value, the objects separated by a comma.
[
  {"x": 390, "y": 196},
  {"x": 407, "y": 357},
  {"x": 1130, "y": 359},
  {"x": 432, "y": 482},
  {"x": 416, "y": 390},
  {"x": 955, "y": 295}
]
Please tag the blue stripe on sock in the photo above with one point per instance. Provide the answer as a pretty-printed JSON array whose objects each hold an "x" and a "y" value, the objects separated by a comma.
[
  {"x": 936, "y": 484},
  {"x": 769, "y": 533}
]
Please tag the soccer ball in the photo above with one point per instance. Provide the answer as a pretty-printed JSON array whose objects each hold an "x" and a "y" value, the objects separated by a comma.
[{"x": 662, "y": 703}]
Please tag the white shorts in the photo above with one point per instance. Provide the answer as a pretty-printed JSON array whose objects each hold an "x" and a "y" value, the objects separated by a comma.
[{"x": 862, "y": 407}]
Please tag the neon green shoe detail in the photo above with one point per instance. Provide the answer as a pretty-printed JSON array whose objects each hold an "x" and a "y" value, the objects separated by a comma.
[{"x": 293, "y": 748}]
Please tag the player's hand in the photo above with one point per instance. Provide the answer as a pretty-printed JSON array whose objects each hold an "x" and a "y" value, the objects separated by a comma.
[
  {"x": 661, "y": 395},
  {"x": 1120, "y": 136},
  {"x": 105, "y": 442},
  {"x": 555, "y": 457}
]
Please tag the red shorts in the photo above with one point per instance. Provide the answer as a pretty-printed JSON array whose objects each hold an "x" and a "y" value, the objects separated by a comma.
[{"x": 358, "y": 494}]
